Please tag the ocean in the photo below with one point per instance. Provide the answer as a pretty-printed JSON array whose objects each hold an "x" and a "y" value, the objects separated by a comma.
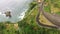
[{"x": 16, "y": 7}]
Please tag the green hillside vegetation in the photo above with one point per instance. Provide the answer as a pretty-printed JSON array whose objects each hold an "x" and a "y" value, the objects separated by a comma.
[
  {"x": 29, "y": 25},
  {"x": 54, "y": 3}
]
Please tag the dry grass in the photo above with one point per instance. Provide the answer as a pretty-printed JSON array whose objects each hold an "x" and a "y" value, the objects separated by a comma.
[
  {"x": 45, "y": 21},
  {"x": 16, "y": 26},
  {"x": 7, "y": 26},
  {"x": 54, "y": 9}
]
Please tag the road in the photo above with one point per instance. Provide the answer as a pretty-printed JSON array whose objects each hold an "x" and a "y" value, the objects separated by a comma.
[{"x": 44, "y": 13}]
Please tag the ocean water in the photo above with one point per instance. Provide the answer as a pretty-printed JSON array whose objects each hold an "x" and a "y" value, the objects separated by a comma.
[{"x": 16, "y": 7}]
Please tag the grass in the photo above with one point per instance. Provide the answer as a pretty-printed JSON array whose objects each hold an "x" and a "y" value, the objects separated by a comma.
[
  {"x": 52, "y": 6},
  {"x": 6, "y": 28},
  {"x": 29, "y": 25},
  {"x": 58, "y": 13},
  {"x": 47, "y": 8}
]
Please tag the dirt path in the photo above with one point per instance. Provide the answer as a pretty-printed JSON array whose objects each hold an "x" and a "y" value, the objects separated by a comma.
[
  {"x": 37, "y": 18},
  {"x": 55, "y": 19}
]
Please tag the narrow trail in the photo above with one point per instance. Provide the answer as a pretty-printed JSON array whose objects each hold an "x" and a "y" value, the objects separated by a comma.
[{"x": 44, "y": 13}]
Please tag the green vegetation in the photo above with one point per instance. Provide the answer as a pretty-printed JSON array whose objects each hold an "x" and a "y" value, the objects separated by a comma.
[
  {"x": 29, "y": 26},
  {"x": 49, "y": 3},
  {"x": 47, "y": 6},
  {"x": 58, "y": 13},
  {"x": 32, "y": 5},
  {"x": 47, "y": 9},
  {"x": 56, "y": 3},
  {"x": 6, "y": 28}
]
